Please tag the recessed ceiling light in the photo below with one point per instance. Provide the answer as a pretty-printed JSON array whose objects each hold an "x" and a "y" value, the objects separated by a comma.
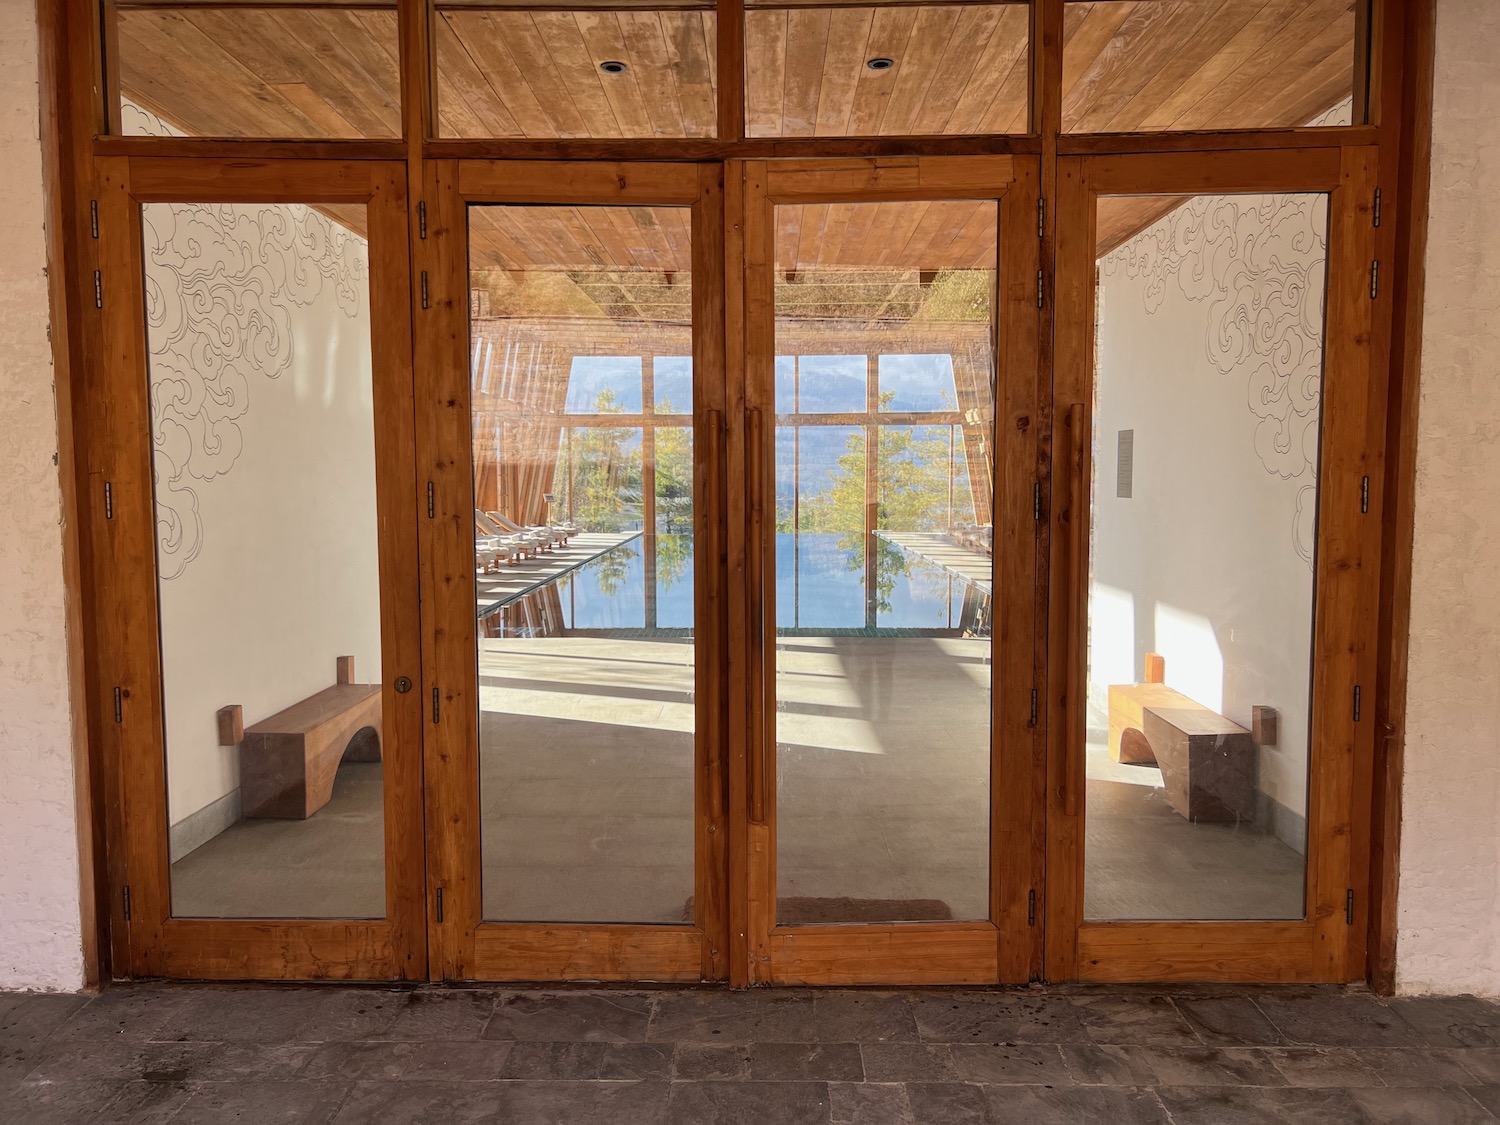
[
  {"x": 881, "y": 63},
  {"x": 614, "y": 66}
]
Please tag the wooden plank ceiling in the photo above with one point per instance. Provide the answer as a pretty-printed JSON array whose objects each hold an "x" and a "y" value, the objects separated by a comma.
[{"x": 512, "y": 70}]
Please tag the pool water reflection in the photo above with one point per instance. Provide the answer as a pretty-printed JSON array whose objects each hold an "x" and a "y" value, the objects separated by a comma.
[{"x": 820, "y": 586}]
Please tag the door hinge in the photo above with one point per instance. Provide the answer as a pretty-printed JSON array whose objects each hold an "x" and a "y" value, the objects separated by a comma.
[
  {"x": 119, "y": 705},
  {"x": 1041, "y": 218},
  {"x": 1356, "y": 703},
  {"x": 431, "y": 501},
  {"x": 94, "y": 217},
  {"x": 424, "y": 289},
  {"x": 1375, "y": 279},
  {"x": 440, "y": 904},
  {"x": 1039, "y": 289},
  {"x": 1031, "y": 907},
  {"x": 1364, "y": 495},
  {"x": 98, "y": 290},
  {"x": 422, "y": 218},
  {"x": 126, "y": 896},
  {"x": 109, "y": 501},
  {"x": 1375, "y": 211},
  {"x": 1033, "y": 708},
  {"x": 436, "y": 707},
  {"x": 1349, "y": 907},
  {"x": 1036, "y": 502}
]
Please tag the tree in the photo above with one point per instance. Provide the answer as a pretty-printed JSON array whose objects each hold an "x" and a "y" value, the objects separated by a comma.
[{"x": 605, "y": 473}]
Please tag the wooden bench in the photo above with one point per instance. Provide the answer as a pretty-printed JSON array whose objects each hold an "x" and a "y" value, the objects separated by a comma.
[
  {"x": 288, "y": 762},
  {"x": 1208, "y": 764}
]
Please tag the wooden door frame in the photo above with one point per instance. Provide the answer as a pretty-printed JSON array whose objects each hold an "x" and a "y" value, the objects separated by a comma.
[
  {"x": 1324, "y": 945},
  {"x": 1000, "y": 949},
  {"x": 464, "y": 947},
  {"x": 149, "y": 941}
]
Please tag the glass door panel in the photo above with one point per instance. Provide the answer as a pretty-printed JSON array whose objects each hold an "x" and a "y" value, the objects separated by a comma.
[
  {"x": 583, "y": 493},
  {"x": 892, "y": 336},
  {"x": 883, "y": 577},
  {"x": 1207, "y": 402}
]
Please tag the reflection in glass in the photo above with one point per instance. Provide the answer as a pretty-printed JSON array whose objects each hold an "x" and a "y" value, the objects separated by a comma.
[
  {"x": 1173, "y": 65},
  {"x": 258, "y": 333},
  {"x": 883, "y": 572},
  {"x": 1207, "y": 405},
  {"x": 583, "y": 479}
]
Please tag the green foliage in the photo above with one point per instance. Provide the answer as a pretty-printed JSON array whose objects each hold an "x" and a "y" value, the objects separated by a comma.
[{"x": 606, "y": 475}]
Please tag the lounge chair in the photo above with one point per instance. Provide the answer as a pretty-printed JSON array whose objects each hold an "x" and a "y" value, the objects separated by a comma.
[
  {"x": 555, "y": 533},
  {"x": 526, "y": 542}
]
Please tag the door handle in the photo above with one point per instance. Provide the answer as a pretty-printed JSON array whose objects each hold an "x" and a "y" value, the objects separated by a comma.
[
  {"x": 714, "y": 459},
  {"x": 755, "y": 508},
  {"x": 1073, "y": 750}
]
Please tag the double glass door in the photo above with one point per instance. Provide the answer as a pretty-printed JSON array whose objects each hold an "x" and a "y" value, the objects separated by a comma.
[{"x": 713, "y": 572}]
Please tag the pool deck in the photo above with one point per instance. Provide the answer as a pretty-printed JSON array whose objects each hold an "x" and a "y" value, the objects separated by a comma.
[
  {"x": 509, "y": 583},
  {"x": 973, "y": 567}
]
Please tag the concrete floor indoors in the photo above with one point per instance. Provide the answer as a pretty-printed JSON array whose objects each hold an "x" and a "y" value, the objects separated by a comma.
[
  {"x": 200, "y": 1055},
  {"x": 586, "y": 796}
]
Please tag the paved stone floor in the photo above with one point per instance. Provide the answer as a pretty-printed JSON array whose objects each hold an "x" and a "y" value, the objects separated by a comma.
[{"x": 196, "y": 1054}]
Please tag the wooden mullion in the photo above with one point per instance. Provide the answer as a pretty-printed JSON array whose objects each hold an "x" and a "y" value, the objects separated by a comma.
[{"x": 730, "y": 39}]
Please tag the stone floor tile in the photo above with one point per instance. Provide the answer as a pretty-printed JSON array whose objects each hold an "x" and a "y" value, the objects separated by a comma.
[
  {"x": 733, "y": 1017},
  {"x": 1009, "y": 1017},
  {"x": 124, "y": 1060},
  {"x": 697, "y": 1062},
  {"x": 1417, "y": 1106},
  {"x": 441, "y": 1016},
  {"x": 1011, "y": 1064},
  {"x": 418, "y": 1103},
  {"x": 748, "y": 1103},
  {"x": 35, "y": 1015},
  {"x": 132, "y": 1013},
  {"x": 1487, "y": 1096},
  {"x": 1416, "y": 1066},
  {"x": 806, "y": 1062},
  {"x": 1211, "y": 1066},
  {"x": 908, "y": 1062},
  {"x": 60, "y": 1103},
  {"x": 1321, "y": 1066},
  {"x": 358, "y": 1062},
  {"x": 868, "y": 1103},
  {"x": 243, "y": 1061},
  {"x": 862, "y": 1017},
  {"x": 1451, "y": 1021},
  {"x": 269, "y": 1015},
  {"x": 626, "y": 1061},
  {"x": 1482, "y": 1062},
  {"x": 1251, "y": 1105},
  {"x": 1108, "y": 1064},
  {"x": 1228, "y": 1021},
  {"x": 593, "y": 1017},
  {"x": 1337, "y": 1018},
  {"x": 262, "y": 1102},
  {"x": 479, "y": 1061},
  {"x": 581, "y": 1103},
  {"x": 947, "y": 1103},
  {"x": 1143, "y": 1019},
  {"x": 146, "y": 1103},
  {"x": 1031, "y": 1105},
  {"x": 553, "y": 1062}
]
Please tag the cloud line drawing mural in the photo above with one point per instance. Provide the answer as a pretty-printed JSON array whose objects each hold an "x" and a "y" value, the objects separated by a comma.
[{"x": 1259, "y": 265}]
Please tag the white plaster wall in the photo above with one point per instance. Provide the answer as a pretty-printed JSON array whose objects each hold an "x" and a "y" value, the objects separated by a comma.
[
  {"x": 1449, "y": 902},
  {"x": 1209, "y": 348},
  {"x": 259, "y": 329},
  {"x": 40, "y": 940}
]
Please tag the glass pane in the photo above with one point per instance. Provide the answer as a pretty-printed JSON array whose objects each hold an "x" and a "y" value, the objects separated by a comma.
[
  {"x": 882, "y": 564},
  {"x": 886, "y": 69},
  {"x": 583, "y": 477},
  {"x": 615, "y": 69},
  {"x": 258, "y": 332},
  {"x": 1169, "y": 65},
  {"x": 273, "y": 71},
  {"x": 1207, "y": 394}
]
